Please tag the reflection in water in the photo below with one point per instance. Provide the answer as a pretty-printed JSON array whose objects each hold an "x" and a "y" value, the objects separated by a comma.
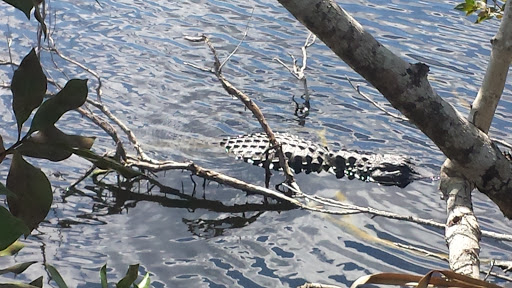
[
  {"x": 206, "y": 228},
  {"x": 301, "y": 110},
  {"x": 110, "y": 199}
]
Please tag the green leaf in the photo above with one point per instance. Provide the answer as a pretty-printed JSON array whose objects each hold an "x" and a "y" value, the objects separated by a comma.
[
  {"x": 37, "y": 282},
  {"x": 23, "y": 5},
  {"x": 131, "y": 276},
  {"x": 18, "y": 268},
  {"x": 12, "y": 249},
  {"x": 33, "y": 192},
  {"x": 72, "y": 96},
  {"x": 107, "y": 163},
  {"x": 26, "y": 6},
  {"x": 56, "y": 276},
  {"x": 103, "y": 276},
  {"x": 12, "y": 228},
  {"x": 17, "y": 285},
  {"x": 145, "y": 282},
  {"x": 5, "y": 191},
  {"x": 28, "y": 88},
  {"x": 483, "y": 15},
  {"x": 53, "y": 144}
]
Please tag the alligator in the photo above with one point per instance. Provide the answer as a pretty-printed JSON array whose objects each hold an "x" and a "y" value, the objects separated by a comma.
[{"x": 304, "y": 155}]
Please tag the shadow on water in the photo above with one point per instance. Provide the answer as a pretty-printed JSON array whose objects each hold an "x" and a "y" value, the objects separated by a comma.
[{"x": 111, "y": 199}]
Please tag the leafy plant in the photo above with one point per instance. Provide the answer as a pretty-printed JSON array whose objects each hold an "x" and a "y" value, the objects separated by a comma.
[
  {"x": 28, "y": 191},
  {"x": 126, "y": 282},
  {"x": 485, "y": 11}
]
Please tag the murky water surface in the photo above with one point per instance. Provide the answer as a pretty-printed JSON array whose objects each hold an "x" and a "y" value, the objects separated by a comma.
[{"x": 180, "y": 113}]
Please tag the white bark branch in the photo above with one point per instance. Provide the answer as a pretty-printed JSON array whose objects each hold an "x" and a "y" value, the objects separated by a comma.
[
  {"x": 463, "y": 232},
  {"x": 482, "y": 111}
]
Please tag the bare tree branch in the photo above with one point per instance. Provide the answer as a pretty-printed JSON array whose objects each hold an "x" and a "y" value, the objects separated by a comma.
[{"x": 249, "y": 104}]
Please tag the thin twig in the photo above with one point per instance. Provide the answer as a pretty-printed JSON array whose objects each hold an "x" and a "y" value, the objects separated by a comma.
[
  {"x": 82, "y": 178},
  {"x": 298, "y": 72},
  {"x": 502, "y": 143},
  {"x": 2, "y": 63},
  {"x": 427, "y": 253},
  {"x": 309, "y": 41},
  {"x": 375, "y": 103},
  {"x": 98, "y": 104},
  {"x": 371, "y": 211},
  {"x": 40, "y": 26},
  {"x": 489, "y": 271},
  {"x": 391, "y": 215},
  {"x": 9, "y": 43},
  {"x": 107, "y": 127},
  {"x": 204, "y": 69},
  {"x": 214, "y": 176},
  {"x": 290, "y": 69},
  {"x": 239, "y": 43},
  {"x": 444, "y": 257},
  {"x": 85, "y": 68},
  {"x": 120, "y": 124}
]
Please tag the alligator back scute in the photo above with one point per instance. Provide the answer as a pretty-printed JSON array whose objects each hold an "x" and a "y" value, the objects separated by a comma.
[
  {"x": 310, "y": 157},
  {"x": 255, "y": 148}
]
